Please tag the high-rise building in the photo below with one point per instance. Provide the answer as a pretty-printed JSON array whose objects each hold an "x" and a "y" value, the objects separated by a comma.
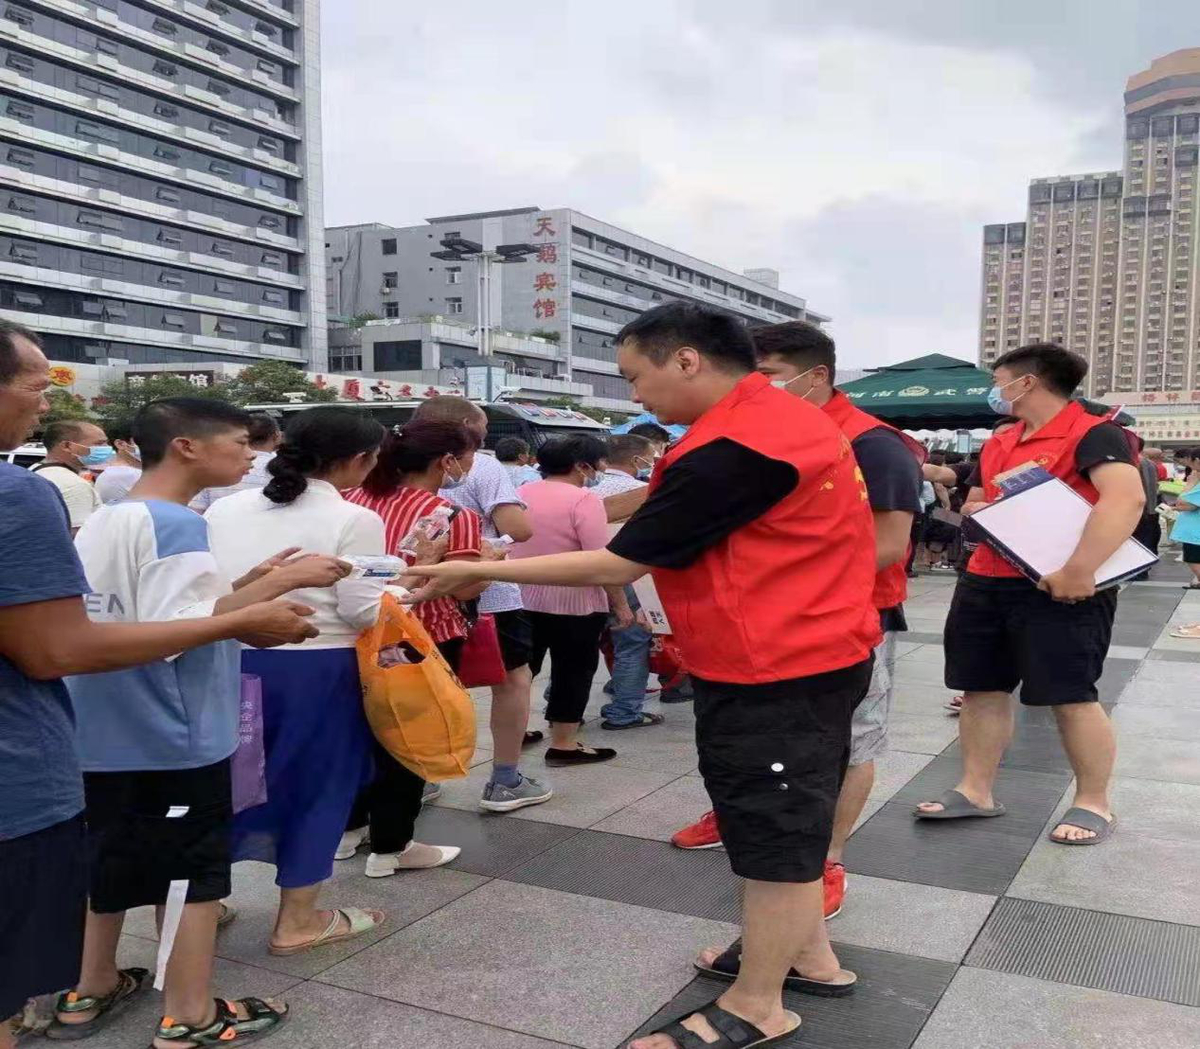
[
  {"x": 160, "y": 179},
  {"x": 1107, "y": 264},
  {"x": 581, "y": 282}
]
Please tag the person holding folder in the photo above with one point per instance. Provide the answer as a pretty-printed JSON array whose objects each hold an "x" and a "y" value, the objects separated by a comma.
[{"x": 1049, "y": 638}]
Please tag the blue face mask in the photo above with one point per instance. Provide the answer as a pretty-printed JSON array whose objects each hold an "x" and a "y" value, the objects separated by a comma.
[
  {"x": 1000, "y": 404},
  {"x": 591, "y": 480},
  {"x": 453, "y": 482},
  {"x": 97, "y": 456}
]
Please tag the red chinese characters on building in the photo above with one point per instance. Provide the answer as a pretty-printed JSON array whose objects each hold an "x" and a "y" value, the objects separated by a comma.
[
  {"x": 545, "y": 304},
  {"x": 548, "y": 253},
  {"x": 544, "y": 308},
  {"x": 353, "y": 390},
  {"x": 544, "y": 282},
  {"x": 545, "y": 227}
]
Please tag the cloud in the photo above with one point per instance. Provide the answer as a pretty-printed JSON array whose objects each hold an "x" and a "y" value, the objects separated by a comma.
[{"x": 856, "y": 147}]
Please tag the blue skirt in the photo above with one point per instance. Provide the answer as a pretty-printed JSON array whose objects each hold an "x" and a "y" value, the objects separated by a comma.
[{"x": 318, "y": 756}]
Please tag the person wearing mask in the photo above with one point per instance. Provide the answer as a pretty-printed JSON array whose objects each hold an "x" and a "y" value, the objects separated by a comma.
[
  {"x": 489, "y": 492},
  {"x": 568, "y": 621},
  {"x": 777, "y": 672},
  {"x": 630, "y": 459},
  {"x": 73, "y": 449},
  {"x": 156, "y": 741},
  {"x": 801, "y": 359},
  {"x": 1050, "y": 638},
  {"x": 513, "y": 454},
  {"x": 265, "y": 436},
  {"x": 45, "y": 633},
  {"x": 124, "y": 469},
  {"x": 1186, "y": 529},
  {"x": 621, "y": 505},
  {"x": 311, "y": 694}
]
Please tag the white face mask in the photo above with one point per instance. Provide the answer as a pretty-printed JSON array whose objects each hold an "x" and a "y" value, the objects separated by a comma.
[{"x": 783, "y": 384}]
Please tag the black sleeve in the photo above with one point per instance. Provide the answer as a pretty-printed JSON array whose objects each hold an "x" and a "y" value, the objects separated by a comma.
[
  {"x": 702, "y": 498},
  {"x": 975, "y": 477},
  {"x": 890, "y": 470},
  {"x": 1105, "y": 443},
  {"x": 963, "y": 472}
]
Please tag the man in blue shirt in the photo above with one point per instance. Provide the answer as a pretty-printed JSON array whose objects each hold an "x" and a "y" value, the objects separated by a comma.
[{"x": 45, "y": 634}]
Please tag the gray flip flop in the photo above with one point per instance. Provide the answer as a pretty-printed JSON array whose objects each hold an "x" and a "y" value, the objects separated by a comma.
[
  {"x": 1084, "y": 819},
  {"x": 957, "y": 806}
]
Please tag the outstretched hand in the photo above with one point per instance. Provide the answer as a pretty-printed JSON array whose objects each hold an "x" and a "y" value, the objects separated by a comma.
[{"x": 439, "y": 580}]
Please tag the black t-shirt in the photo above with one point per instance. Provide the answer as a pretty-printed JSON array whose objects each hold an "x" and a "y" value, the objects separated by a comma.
[
  {"x": 1102, "y": 444},
  {"x": 704, "y": 496},
  {"x": 893, "y": 480}
]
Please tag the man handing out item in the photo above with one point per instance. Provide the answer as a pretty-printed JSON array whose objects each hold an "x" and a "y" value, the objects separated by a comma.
[
  {"x": 771, "y": 597},
  {"x": 1050, "y": 638}
]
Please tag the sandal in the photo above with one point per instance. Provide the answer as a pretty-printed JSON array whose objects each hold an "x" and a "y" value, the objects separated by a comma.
[
  {"x": 1187, "y": 633},
  {"x": 732, "y": 1031},
  {"x": 646, "y": 719},
  {"x": 1084, "y": 819},
  {"x": 728, "y": 964},
  {"x": 957, "y": 806},
  {"x": 360, "y": 921},
  {"x": 531, "y": 737},
  {"x": 228, "y": 913},
  {"x": 226, "y": 1028},
  {"x": 129, "y": 982}
]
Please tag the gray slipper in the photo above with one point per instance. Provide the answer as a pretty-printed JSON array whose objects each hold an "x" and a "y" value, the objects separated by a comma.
[
  {"x": 1084, "y": 819},
  {"x": 957, "y": 806}
]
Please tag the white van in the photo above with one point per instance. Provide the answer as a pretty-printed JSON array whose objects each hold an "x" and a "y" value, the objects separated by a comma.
[{"x": 27, "y": 455}]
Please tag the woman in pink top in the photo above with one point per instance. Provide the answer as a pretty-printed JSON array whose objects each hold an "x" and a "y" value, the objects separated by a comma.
[{"x": 568, "y": 620}]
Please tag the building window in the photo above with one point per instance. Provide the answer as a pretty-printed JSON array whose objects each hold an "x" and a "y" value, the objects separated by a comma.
[
  {"x": 27, "y": 300},
  {"x": 218, "y": 88},
  {"x": 169, "y": 238},
  {"x": 391, "y": 309},
  {"x": 454, "y": 305},
  {"x": 217, "y": 48},
  {"x": 22, "y": 158},
  {"x": 397, "y": 356},
  {"x": 218, "y": 127},
  {"x": 173, "y": 320},
  {"x": 23, "y": 18},
  {"x": 264, "y": 66},
  {"x": 165, "y": 68},
  {"x": 273, "y": 297},
  {"x": 167, "y": 194},
  {"x": 20, "y": 111},
  {"x": 272, "y": 259},
  {"x": 20, "y": 63},
  {"x": 164, "y": 153},
  {"x": 388, "y": 246},
  {"x": 270, "y": 145},
  {"x": 24, "y": 253},
  {"x": 275, "y": 335},
  {"x": 453, "y": 274},
  {"x": 166, "y": 110},
  {"x": 391, "y": 281},
  {"x": 107, "y": 47},
  {"x": 170, "y": 279},
  {"x": 22, "y": 205},
  {"x": 219, "y": 167}
]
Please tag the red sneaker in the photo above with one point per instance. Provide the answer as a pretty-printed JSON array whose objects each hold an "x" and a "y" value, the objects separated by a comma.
[
  {"x": 835, "y": 889},
  {"x": 702, "y": 834}
]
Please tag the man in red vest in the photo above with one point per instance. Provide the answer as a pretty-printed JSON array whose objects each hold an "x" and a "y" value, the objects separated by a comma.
[
  {"x": 801, "y": 359},
  {"x": 754, "y": 530},
  {"x": 1051, "y": 638}
]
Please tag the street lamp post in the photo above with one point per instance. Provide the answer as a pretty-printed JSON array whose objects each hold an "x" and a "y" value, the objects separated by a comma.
[{"x": 459, "y": 249}]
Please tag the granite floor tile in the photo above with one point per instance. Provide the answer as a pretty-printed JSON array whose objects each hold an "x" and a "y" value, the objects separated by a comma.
[{"x": 661, "y": 814}]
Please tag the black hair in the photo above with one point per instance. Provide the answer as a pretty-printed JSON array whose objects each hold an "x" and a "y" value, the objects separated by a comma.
[
  {"x": 63, "y": 430},
  {"x": 314, "y": 440},
  {"x": 954, "y": 458},
  {"x": 652, "y": 432},
  {"x": 562, "y": 454},
  {"x": 624, "y": 448},
  {"x": 9, "y": 333},
  {"x": 662, "y": 330},
  {"x": 119, "y": 431},
  {"x": 937, "y": 458},
  {"x": 411, "y": 448},
  {"x": 510, "y": 449},
  {"x": 1060, "y": 369},
  {"x": 801, "y": 344},
  {"x": 262, "y": 428},
  {"x": 158, "y": 423}
]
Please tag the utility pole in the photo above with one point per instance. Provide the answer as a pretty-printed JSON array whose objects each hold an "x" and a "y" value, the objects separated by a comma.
[{"x": 459, "y": 249}]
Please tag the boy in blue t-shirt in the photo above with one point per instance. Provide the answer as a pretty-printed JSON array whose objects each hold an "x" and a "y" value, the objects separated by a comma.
[{"x": 155, "y": 741}]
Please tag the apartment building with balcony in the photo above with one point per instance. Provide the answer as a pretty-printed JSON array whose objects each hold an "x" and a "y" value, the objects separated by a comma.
[
  {"x": 583, "y": 279},
  {"x": 160, "y": 181},
  {"x": 1106, "y": 264}
]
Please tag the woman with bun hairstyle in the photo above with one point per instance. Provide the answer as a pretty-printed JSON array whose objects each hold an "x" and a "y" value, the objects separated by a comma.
[
  {"x": 416, "y": 460},
  {"x": 316, "y": 738}
]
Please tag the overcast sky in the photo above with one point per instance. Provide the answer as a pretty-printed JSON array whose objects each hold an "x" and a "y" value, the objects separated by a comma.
[{"x": 855, "y": 145}]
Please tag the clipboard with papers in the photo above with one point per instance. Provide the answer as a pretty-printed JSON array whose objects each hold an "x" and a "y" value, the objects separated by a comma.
[{"x": 1036, "y": 524}]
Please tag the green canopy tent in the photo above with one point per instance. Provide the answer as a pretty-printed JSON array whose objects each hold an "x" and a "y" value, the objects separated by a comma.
[{"x": 930, "y": 392}]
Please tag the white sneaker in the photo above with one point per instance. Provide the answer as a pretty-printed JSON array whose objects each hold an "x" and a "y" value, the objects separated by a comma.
[
  {"x": 415, "y": 856},
  {"x": 350, "y": 842}
]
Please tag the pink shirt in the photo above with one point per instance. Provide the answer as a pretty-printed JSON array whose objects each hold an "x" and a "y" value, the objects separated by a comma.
[{"x": 563, "y": 518}]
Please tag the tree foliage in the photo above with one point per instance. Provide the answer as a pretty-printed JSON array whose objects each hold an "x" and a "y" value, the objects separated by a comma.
[
  {"x": 65, "y": 405},
  {"x": 267, "y": 382},
  {"x": 120, "y": 399}
]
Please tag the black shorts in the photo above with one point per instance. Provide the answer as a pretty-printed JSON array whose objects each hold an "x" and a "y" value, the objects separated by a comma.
[
  {"x": 137, "y": 850},
  {"x": 773, "y": 757},
  {"x": 43, "y": 901},
  {"x": 1191, "y": 553},
  {"x": 516, "y": 638},
  {"x": 1001, "y": 633}
]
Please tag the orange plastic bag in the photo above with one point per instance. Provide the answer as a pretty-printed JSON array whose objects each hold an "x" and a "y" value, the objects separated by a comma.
[{"x": 418, "y": 710}]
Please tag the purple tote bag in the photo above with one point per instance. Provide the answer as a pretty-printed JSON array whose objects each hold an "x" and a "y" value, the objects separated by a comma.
[{"x": 249, "y": 761}]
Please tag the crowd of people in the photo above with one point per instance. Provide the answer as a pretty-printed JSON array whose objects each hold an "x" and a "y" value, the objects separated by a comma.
[{"x": 152, "y": 570}]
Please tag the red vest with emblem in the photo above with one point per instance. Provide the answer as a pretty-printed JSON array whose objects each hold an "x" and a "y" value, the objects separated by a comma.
[
  {"x": 1052, "y": 448},
  {"x": 789, "y": 594},
  {"x": 891, "y": 583}
]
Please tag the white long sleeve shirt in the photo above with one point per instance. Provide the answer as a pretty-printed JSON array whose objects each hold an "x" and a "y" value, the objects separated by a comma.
[{"x": 247, "y": 528}]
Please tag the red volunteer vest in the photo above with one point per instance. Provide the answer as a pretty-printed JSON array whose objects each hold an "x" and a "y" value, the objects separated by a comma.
[
  {"x": 1053, "y": 449},
  {"x": 891, "y": 583},
  {"x": 789, "y": 594}
]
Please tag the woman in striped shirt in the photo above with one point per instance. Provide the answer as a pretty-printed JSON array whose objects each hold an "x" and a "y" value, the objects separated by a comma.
[{"x": 414, "y": 463}]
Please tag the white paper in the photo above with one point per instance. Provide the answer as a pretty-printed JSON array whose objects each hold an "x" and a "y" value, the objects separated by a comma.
[
  {"x": 1043, "y": 524},
  {"x": 647, "y": 595},
  {"x": 172, "y": 914}
]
